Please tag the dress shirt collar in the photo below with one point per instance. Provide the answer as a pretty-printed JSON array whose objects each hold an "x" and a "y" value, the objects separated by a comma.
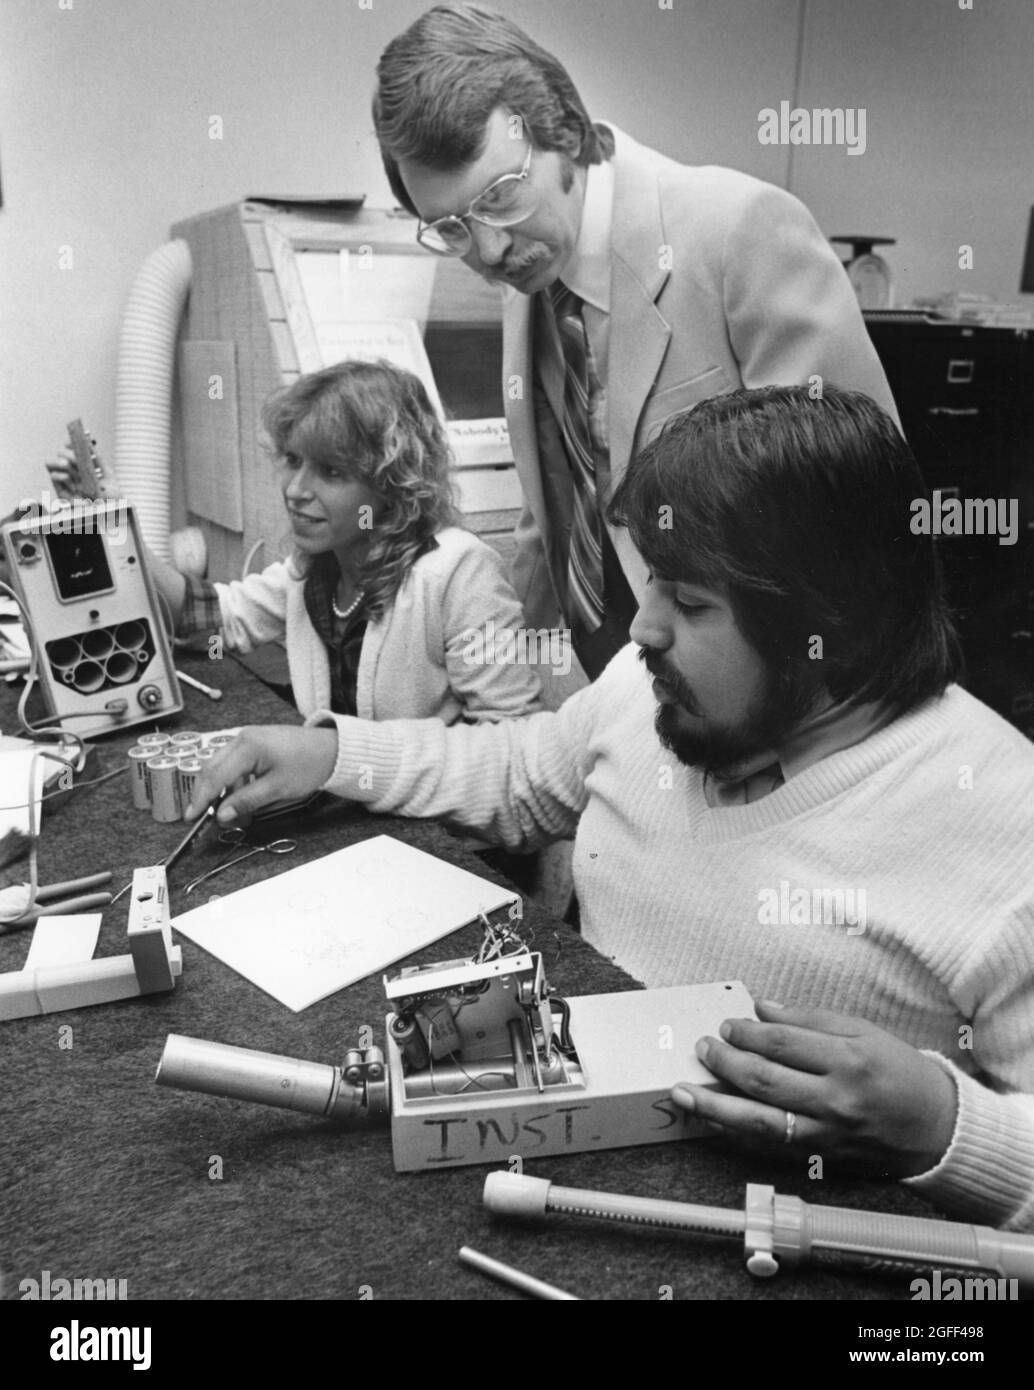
[
  {"x": 840, "y": 726},
  {"x": 833, "y": 729},
  {"x": 587, "y": 272}
]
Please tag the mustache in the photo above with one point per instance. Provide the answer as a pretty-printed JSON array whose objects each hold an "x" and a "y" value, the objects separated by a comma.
[
  {"x": 516, "y": 265},
  {"x": 656, "y": 666},
  {"x": 510, "y": 273},
  {"x": 667, "y": 675}
]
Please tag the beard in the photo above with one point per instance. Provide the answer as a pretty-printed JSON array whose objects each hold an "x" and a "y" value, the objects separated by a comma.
[{"x": 781, "y": 704}]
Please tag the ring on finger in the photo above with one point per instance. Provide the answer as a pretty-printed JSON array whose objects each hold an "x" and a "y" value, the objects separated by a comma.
[{"x": 791, "y": 1126}]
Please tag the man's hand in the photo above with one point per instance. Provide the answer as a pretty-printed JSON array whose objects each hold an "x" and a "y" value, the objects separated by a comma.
[
  {"x": 858, "y": 1093},
  {"x": 261, "y": 766}
]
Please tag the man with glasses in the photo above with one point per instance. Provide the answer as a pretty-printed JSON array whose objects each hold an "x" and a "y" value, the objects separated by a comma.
[{"x": 633, "y": 288}]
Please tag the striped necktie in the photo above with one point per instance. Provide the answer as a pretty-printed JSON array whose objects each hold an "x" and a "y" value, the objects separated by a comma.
[{"x": 585, "y": 560}]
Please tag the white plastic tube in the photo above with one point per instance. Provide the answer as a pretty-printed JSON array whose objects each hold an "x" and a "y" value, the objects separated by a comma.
[{"x": 143, "y": 393}]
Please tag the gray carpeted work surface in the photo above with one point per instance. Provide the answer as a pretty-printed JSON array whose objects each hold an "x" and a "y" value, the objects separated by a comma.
[{"x": 106, "y": 1175}]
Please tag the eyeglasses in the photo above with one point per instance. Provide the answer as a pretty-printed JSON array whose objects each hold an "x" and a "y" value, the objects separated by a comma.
[{"x": 504, "y": 203}]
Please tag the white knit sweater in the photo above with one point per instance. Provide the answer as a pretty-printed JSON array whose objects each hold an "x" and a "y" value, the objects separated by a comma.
[
  {"x": 931, "y": 818},
  {"x": 414, "y": 662}
]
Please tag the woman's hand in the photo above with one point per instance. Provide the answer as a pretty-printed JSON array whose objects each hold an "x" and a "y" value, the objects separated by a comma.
[
  {"x": 262, "y": 766},
  {"x": 857, "y": 1093},
  {"x": 169, "y": 580},
  {"x": 62, "y": 474}
]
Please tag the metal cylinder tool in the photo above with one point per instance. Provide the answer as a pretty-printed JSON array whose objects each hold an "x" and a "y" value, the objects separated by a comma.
[
  {"x": 315, "y": 1088},
  {"x": 780, "y": 1230}
]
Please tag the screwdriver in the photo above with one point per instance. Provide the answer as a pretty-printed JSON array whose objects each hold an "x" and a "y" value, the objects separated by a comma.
[
  {"x": 780, "y": 1230},
  {"x": 194, "y": 830},
  {"x": 198, "y": 825}
]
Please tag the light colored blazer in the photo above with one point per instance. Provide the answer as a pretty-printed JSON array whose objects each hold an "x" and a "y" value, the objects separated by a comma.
[
  {"x": 718, "y": 281},
  {"x": 415, "y": 661}
]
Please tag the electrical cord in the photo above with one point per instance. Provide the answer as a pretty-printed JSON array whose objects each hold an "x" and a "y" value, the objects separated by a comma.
[
  {"x": 45, "y": 726},
  {"x": 474, "y": 1081},
  {"x": 76, "y": 787},
  {"x": 246, "y": 567},
  {"x": 33, "y": 837}
]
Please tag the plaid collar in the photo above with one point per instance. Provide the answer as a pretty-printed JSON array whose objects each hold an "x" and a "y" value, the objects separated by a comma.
[{"x": 320, "y": 585}]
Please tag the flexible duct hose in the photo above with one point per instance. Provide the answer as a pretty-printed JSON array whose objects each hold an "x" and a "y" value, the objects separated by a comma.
[{"x": 143, "y": 393}]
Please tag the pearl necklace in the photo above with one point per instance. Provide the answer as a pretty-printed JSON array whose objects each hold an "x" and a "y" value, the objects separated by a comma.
[{"x": 342, "y": 613}]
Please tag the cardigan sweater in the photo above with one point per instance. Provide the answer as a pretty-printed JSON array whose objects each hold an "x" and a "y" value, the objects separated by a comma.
[
  {"x": 892, "y": 880},
  {"x": 415, "y": 661}
]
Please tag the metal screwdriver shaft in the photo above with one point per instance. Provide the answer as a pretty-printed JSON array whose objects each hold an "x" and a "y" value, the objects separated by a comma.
[{"x": 506, "y": 1274}]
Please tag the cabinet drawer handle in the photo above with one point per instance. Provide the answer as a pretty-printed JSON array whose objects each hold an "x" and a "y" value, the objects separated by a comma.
[{"x": 953, "y": 410}]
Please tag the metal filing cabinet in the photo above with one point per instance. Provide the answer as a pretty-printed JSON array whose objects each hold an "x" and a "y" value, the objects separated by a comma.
[{"x": 966, "y": 398}]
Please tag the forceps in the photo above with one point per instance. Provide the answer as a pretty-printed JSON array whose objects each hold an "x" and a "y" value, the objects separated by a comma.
[
  {"x": 274, "y": 847},
  {"x": 237, "y": 838}
]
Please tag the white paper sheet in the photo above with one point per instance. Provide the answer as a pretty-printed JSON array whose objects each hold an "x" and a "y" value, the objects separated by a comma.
[
  {"x": 308, "y": 932},
  {"x": 67, "y": 941},
  {"x": 478, "y": 443},
  {"x": 359, "y": 282},
  {"x": 63, "y": 940},
  {"x": 398, "y": 340}
]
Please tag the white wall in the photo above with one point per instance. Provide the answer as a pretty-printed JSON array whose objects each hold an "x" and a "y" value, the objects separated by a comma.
[
  {"x": 950, "y": 148},
  {"x": 104, "y": 140},
  {"x": 104, "y": 143}
]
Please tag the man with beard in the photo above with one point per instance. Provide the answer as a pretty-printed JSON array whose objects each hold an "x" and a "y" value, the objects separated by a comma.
[{"x": 801, "y": 745}]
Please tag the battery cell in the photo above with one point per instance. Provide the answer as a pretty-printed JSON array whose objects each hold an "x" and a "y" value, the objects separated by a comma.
[
  {"x": 139, "y": 777},
  {"x": 185, "y": 742},
  {"x": 189, "y": 771},
  {"x": 165, "y": 791},
  {"x": 156, "y": 742}
]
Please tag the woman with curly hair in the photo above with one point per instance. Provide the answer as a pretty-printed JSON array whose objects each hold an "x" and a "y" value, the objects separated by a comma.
[{"x": 382, "y": 590}]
